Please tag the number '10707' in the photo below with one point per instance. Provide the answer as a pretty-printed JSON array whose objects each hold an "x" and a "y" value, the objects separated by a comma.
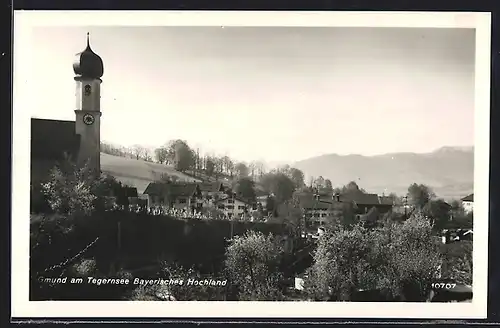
[{"x": 442, "y": 285}]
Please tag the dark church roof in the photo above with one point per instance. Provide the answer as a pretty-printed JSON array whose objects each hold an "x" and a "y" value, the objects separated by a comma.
[
  {"x": 51, "y": 139},
  {"x": 88, "y": 64}
]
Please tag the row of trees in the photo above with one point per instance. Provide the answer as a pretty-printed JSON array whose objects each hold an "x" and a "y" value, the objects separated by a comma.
[
  {"x": 184, "y": 158},
  {"x": 399, "y": 260},
  {"x": 135, "y": 152}
]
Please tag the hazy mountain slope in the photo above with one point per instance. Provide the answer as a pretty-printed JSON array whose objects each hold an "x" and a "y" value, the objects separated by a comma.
[{"x": 448, "y": 170}]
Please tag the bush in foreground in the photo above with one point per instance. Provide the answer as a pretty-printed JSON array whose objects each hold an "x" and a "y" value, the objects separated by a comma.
[
  {"x": 252, "y": 262},
  {"x": 400, "y": 260}
]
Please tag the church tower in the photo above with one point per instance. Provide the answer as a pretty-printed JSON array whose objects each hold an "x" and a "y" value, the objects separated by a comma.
[{"x": 89, "y": 69}]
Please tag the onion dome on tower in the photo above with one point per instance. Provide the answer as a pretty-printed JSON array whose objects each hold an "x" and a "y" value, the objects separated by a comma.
[{"x": 88, "y": 64}]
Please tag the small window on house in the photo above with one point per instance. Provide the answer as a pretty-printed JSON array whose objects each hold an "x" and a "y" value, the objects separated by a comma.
[
  {"x": 323, "y": 215},
  {"x": 230, "y": 207},
  {"x": 230, "y": 201},
  {"x": 316, "y": 215},
  {"x": 221, "y": 207},
  {"x": 241, "y": 207},
  {"x": 182, "y": 201}
]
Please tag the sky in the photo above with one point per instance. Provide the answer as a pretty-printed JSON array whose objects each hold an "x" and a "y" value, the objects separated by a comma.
[{"x": 277, "y": 94}]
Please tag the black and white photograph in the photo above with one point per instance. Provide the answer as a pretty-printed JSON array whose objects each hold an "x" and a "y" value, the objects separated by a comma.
[{"x": 260, "y": 164}]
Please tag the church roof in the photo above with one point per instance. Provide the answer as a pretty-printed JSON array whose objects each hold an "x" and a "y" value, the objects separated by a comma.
[
  {"x": 51, "y": 139},
  {"x": 88, "y": 64}
]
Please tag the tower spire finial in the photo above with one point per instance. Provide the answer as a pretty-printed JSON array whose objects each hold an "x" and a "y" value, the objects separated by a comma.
[{"x": 88, "y": 39}]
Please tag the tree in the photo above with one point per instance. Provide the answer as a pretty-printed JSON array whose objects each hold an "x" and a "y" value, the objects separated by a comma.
[
  {"x": 138, "y": 151},
  {"x": 328, "y": 185},
  {"x": 319, "y": 183},
  {"x": 180, "y": 154},
  {"x": 241, "y": 170},
  {"x": 259, "y": 168},
  {"x": 161, "y": 155},
  {"x": 297, "y": 176},
  {"x": 340, "y": 260},
  {"x": 218, "y": 166},
  {"x": 351, "y": 187},
  {"x": 457, "y": 262},
  {"x": 285, "y": 169},
  {"x": 147, "y": 155},
  {"x": 245, "y": 188},
  {"x": 295, "y": 218},
  {"x": 210, "y": 167},
  {"x": 252, "y": 261},
  {"x": 280, "y": 185},
  {"x": 419, "y": 195},
  {"x": 252, "y": 168},
  {"x": 400, "y": 260},
  {"x": 69, "y": 189},
  {"x": 439, "y": 212},
  {"x": 228, "y": 165},
  {"x": 271, "y": 206}
]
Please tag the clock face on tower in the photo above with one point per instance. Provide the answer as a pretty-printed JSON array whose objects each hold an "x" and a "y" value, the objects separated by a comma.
[
  {"x": 88, "y": 90},
  {"x": 88, "y": 119}
]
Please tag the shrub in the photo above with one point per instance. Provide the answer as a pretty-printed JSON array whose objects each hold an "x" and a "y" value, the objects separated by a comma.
[
  {"x": 415, "y": 257},
  {"x": 69, "y": 190},
  {"x": 252, "y": 262},
  {"x": 457, "y": 262},
  {"x": 340, "y": 262},
  {"x": 399, "y": 260}
]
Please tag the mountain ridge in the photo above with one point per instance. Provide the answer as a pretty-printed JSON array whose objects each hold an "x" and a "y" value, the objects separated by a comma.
[{"x": 448, "y": 170}]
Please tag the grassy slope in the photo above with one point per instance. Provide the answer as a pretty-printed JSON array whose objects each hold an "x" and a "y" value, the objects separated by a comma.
[{"x": 138, "y": 173}]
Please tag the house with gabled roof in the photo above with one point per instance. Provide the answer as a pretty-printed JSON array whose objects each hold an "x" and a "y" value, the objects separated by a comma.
[
  {"x": 173, "y": 194},
  {"x": 468, "y": 203},
  {"x": 319, "y": 208},
  {"x": 363, "y": 202},
  {"x": 233, "y": 206}
]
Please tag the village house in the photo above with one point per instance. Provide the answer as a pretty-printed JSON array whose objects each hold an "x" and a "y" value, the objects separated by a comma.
[
  {"x": 366, "y": 207},
  {"x": 211, "y": 192},
  {"x": 468, "y": 203},
  {"x": 363, "y": 203},
  {"x": 318, "y": 208},
  {"x": 175, "y": 195},
  {"x": 233, "y": 206}
]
